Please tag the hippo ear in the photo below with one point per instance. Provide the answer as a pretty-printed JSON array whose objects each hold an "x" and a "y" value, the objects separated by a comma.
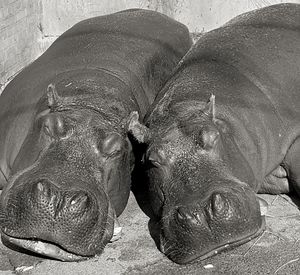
[
  {"x": 209, "y": 109},
  {"x": 52, "y": 95},
  {"x": 139, "y": 131},
  {"x": 112, "y": 144}
]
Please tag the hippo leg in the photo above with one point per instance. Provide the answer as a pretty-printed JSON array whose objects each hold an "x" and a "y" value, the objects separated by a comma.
[
  {"x": 292, "y": 164},
  {"x": 276, "y": 182}
]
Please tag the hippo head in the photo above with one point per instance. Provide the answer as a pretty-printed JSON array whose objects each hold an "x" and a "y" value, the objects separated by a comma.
[
  {"x": 199, "y": 184},
  {"x": 70, "y": 180}
]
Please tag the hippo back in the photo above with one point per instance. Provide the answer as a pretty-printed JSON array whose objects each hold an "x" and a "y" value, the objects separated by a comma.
[{"x": 251, "y": 65}]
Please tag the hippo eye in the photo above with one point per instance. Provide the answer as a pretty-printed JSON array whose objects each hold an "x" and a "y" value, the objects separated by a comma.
[
  {"x": 207, "y": 137},
  {"x": 112, "y": 145},
  {"x": 54, "y": 127}
]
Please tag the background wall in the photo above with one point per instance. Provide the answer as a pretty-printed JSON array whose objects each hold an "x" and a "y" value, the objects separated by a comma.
[
  {"x": 19, "y": 35},
  {"x": 28, "y": 27}
]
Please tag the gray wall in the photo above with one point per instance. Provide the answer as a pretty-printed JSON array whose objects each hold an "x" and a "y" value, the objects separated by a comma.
[
  {"x": 28, "y": 27},
  {"x": 19, "y": 35}
]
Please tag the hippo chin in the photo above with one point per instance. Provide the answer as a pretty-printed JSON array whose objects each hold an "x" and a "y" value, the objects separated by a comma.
[
  {"x": 65, "y": 157},
  {"x": 225, "y": 127}
]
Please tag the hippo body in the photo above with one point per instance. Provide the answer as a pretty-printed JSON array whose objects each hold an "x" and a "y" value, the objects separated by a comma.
[
  {"x": 65, "y": 157},
  {"x": 225, "y": 127}
]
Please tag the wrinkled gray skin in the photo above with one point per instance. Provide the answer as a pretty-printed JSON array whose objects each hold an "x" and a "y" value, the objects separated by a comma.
[
  {"x": 65, "y": 157},
  {"x": 224, "y": 127}
]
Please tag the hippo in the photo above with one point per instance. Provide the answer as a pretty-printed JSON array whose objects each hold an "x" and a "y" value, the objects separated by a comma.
[
  {"x": 225, "y": 127},
  {"x": 65, "y": 155}
]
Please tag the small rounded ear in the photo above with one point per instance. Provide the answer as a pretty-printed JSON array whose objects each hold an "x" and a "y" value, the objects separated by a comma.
[
  {"x": 112, "y": 144},
  {"x": 208, "y": 137},
  {"x": 139, "y": 131}
]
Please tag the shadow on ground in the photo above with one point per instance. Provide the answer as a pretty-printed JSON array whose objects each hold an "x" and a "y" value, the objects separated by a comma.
[{"x": 276, "y": 251}]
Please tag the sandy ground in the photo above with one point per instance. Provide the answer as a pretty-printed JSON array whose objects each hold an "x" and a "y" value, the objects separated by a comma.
[{"x": 276, "y": 251}]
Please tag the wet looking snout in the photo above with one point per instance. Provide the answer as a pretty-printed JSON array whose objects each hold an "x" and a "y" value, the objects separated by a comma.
[
  {"x": 200, "y": 228},
  {"x": 46, "y": 196},
  {"x": 219, "y": 207},
  {"x": 76, "y": 220}
]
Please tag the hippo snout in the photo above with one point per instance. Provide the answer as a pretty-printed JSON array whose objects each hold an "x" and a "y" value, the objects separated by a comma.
[
  {"x": 44, "y": 194},
  {"x": 201, "y": 228},
  {"x": 218, "y": 208},
  {"x": 76, "y": 220}
]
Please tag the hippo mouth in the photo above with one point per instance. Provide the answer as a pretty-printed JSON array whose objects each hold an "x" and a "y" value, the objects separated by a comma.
[
  {"x": 199, "y": 256},
  {"x": 52, "y": 250},
  {"x": 44, "y": 248},
  {"x": 198, "y": 231},
  {"x": 67, "y": 225}
]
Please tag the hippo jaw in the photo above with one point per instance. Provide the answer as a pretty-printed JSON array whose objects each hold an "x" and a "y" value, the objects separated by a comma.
[
  {"x": 179, "y": 257},
  {"x": 55, "y": 251},
  {"x": 196, "y": 231},
  {"x": 68, "y": 225}
]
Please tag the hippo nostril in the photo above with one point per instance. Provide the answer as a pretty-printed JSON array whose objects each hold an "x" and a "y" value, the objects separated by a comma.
[
  {"x": 42, "y": 188},
  {"x": 220, "y": 204},
  {"x": 79, "y": 200},
  {"x": 181, "y": 214}
]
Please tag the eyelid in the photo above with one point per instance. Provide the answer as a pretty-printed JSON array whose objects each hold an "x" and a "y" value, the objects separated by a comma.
[{"x": 56, "y": 128}]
